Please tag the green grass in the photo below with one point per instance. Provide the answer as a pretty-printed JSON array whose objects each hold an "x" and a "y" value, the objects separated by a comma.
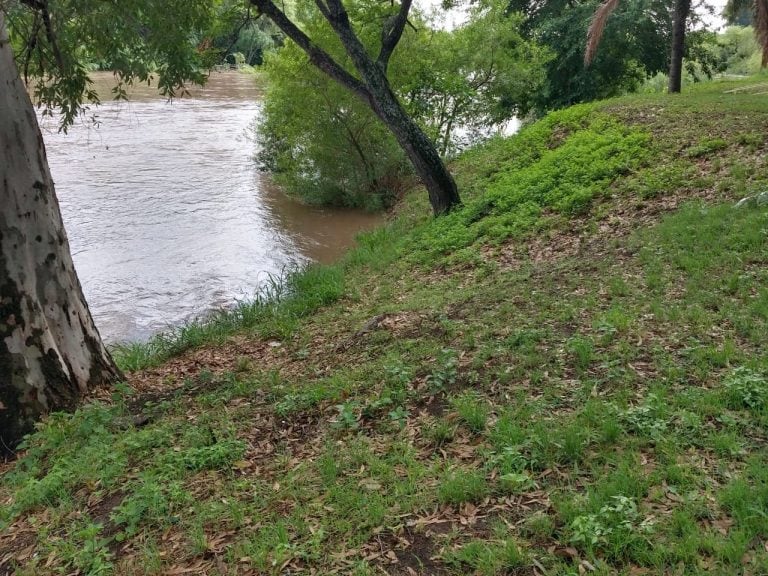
[
  {"x": 273, "y": 313},
  {"x": 570, "y": 374}
]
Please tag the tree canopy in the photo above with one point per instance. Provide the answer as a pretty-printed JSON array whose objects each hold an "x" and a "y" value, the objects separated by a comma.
[
  {"x": 57, "y": 42},
  {"x": 469, "y": 80}
]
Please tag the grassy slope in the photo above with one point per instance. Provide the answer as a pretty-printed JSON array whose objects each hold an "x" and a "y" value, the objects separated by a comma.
[{"x": 569, "y": 375}]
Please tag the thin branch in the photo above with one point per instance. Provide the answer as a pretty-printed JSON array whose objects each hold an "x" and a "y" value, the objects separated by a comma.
[
  {"x": 323, "y": 8},
  {"x": 236, "y": 34},
  {"x": 392, "y": 32},
  {"x": 49, "y": 33},
  {"x": 317, "y": 55},
  {"x": 29, "y": 48},
  {"x": 596, "y": 29}
]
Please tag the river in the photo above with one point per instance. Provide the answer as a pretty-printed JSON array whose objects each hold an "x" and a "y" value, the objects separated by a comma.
[{"x": 167, "y": 214}]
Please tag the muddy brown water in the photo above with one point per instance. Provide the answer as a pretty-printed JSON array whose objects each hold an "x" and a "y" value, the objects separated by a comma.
[{"x": 167, "y": 215}]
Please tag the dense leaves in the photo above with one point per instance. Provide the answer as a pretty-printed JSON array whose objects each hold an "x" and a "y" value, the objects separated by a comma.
[
  {"x": 634, "y": 45},
  {"x": 141, "y": 40},
  {"x": 326, "y": 146}
]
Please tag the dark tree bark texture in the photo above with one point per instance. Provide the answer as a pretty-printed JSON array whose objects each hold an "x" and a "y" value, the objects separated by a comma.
[{"x": 679, "y": 22}]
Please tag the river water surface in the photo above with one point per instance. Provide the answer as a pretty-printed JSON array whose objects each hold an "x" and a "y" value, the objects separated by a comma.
[{"x": 167, "y": 214}]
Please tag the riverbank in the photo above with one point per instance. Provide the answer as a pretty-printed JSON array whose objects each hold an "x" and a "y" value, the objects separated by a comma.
[
  {"x": 569, "y": 375},
  {"x": 168, "y": 220}
]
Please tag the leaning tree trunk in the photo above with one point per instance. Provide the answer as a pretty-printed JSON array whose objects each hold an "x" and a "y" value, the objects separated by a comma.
[
  {"x": 421, "y": 151},
  {"x": 679, "y": 21},
  {"x": 373, "y": 87},
  {"x": 50, "y": 351}
]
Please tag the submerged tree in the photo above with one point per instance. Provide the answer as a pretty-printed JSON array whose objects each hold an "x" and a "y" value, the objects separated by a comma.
[
  {"x": 51, "y": 353},
  {"x": 372, "y": 85}
]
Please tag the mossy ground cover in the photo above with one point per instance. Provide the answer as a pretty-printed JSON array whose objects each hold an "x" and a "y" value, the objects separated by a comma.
[{"x": 569, "y": 375}]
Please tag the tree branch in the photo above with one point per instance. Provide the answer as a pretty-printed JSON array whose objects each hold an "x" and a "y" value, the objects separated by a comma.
[
  {"x": 596, "y": 28},
  {"x": 52, "y": 37},
  {"x": 41, "y": 6},
  {"x": 390, "y": 37},
  {"x": 236, "y": 34},
  {"x": 339, "y": 20},
  {"x": 317, "y": 55}
]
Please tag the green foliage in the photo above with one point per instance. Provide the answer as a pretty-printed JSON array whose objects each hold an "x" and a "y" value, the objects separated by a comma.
[
  {"x": 648, "y": 418},
  {"x": 87, "y": 550},
  {"x": 614, "y": 525},
  {"x": 273, "y": 312},
  {"x": 471, "y": 79},
  {"x": 440, "y": 433},
  {"x": 562, "y": 164},
  {"x": 582, "y": 349},
  {"x": 326, "y": 146},
  {"x": 323, "y": 144},
  {"x": 650, "y": 458},
  {"x": 516, "y": 482},
  {"x": 735, "y": 51},
  {"x": 462, "y": 486},
  {"x": 489, "y": 558},
  {"x": 472, "y": 410},
  {"x": 347, "y": 416},
  {"x": 745, "y": 388},
  {"x": 140, "y": 40},
  {"x": 239, "y": 37},
  {"x": 706, "y": 147},
  {"x": 623, "y": 60},
  {"x": 445, "y": 371}
]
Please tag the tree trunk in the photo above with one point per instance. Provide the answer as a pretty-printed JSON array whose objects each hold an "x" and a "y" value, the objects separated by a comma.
[
  {"x": 421, "y": 151},
  {"x": 51, "y": 353},
  {"x": 373, "y": 87},
  {"x": 679, "y": 22},
  {"x": 441, "y": 187}
]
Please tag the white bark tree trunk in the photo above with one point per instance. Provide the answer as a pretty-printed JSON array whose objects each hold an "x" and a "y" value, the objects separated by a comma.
[{"x": 50, "y": 350}]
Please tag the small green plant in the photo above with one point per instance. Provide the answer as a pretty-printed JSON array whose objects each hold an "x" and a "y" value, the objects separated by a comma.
[
  {"x": 745, "y": 388},
  {"x": 376, "y": 405},
  {"x": 489, "y": 558},
  {"x": 582, "y": 350},
  {"x": 440, "y": 432},
  {"x": 473, "y": 411},
  {"x": 707, "y": 146},
  {"x": 647, "y": 419},
  {"x": 510, "y": 459},
  {"x": 618, "y": 519},
  {"x": 399, "y": 416},
  {"x": 516, "y": 482},
  {"x": 397, "y": 376},
  {"x": 153, "y": 502},
  {"x": 347, "y": 417},
  {"x": 445, "y": 372},
  {"x": 217, "y": 456},
  {"x": 88, "y": 551},
  {"x": 289, "y": 404},
  {"x": 539, "y": 525},
  {"x": 462, "y": 486},
  {"x": 243, "y": 364}
]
